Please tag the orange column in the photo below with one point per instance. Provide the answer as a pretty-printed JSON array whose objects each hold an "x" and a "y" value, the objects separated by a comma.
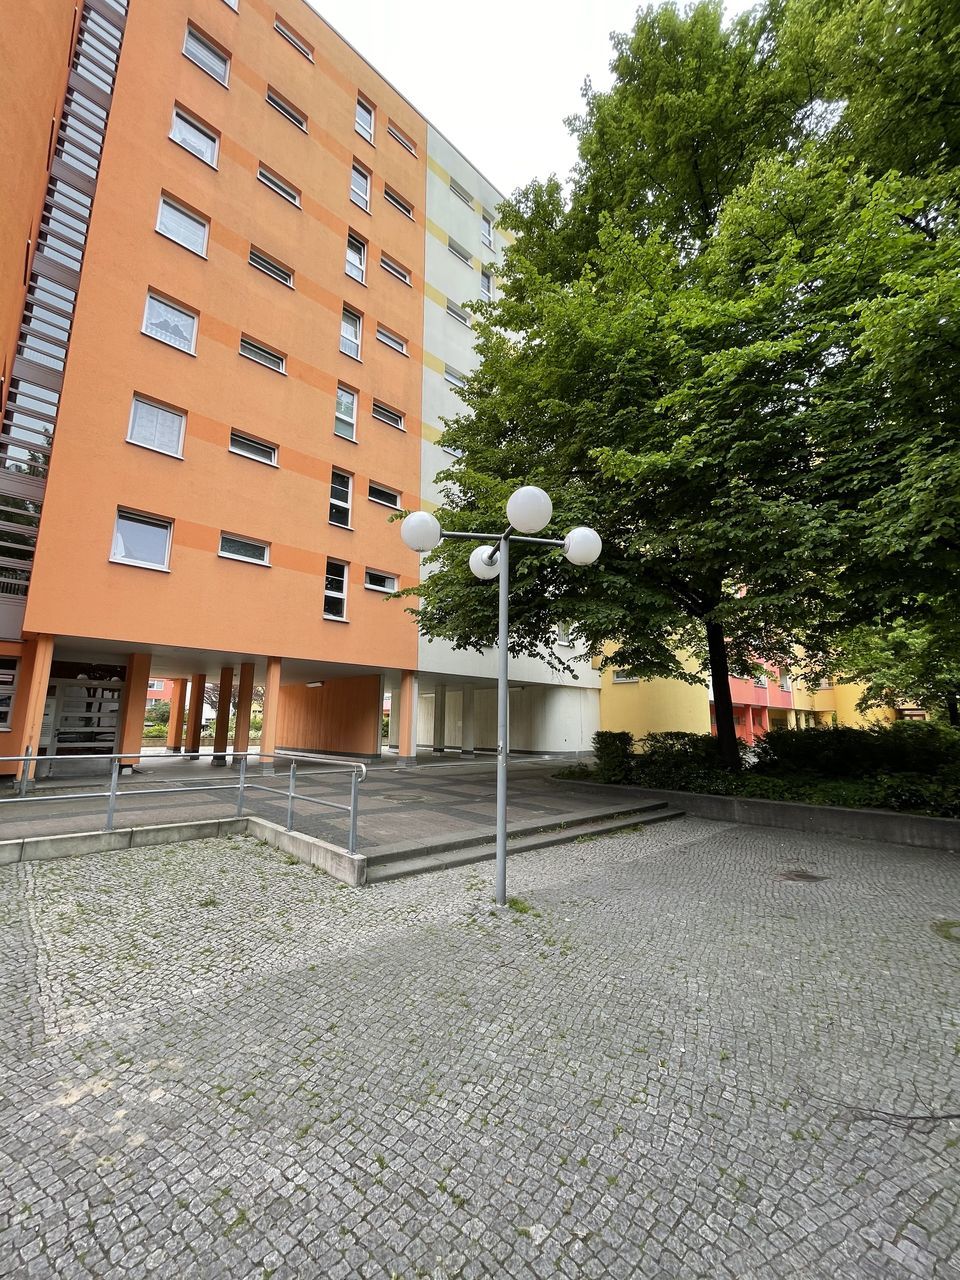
[
  {"x": 132, "y": 708},
  {"x": 195, "y": 715},
  {"x": 271, "y": 703},
  {"x": 241, "y": 728},
  {"x": 178, "y": 707},
  {"x": 38, "y": 655},
  {"x": 408, "y": 717},
  {"x": 222, "y": 727}
]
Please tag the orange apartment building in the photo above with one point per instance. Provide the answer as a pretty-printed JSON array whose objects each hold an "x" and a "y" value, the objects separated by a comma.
[{"x": 214, "y": 232}]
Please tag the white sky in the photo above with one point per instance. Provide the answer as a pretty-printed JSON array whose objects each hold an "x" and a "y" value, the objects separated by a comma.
[{"x": 497, "y": 77}]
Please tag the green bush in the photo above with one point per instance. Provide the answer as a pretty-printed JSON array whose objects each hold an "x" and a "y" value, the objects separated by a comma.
[
  {"x": 686, "y": 761},
  {"x": 838, "y": 752},
  {"x": 155, "y": 731},
  {"x": 613, "y": 753}
]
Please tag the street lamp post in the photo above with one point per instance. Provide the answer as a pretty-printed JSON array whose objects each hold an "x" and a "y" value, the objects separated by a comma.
[{"x": 529, "y": 510}]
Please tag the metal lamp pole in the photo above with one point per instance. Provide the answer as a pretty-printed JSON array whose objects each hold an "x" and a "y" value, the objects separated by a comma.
[{"x": 529, "y": 510}]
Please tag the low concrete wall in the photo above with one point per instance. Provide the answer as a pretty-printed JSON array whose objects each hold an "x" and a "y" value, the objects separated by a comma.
[
  {"x": 881, "y": 825},
  {"x": 348, "y": 868}
]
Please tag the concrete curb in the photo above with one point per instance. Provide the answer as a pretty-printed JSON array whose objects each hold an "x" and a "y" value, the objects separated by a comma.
[{"x": 881, "y": 825}]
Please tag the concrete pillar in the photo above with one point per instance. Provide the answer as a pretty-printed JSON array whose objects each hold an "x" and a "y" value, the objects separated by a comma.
[
  {"x": 37, "y": 657},
  {"x": 198, "y": 684},
  {"x": 221, "y": 729},
  {"x": 393, "y": 729},
  {"x": 133, "y": 706},
  {"x": 791, "y": 719},
  {"x": 408, "y": 718},
  {"x": 468, "y": 731},
  {"x": 178, "y": 708},
  {"x": 271, "y": 707},
  {"x": 241, "y": 728},
  {"x": 439, "y": 717}
]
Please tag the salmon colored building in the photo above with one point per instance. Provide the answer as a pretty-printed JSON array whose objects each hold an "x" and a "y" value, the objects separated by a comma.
[{"x": 223, "y": 310}]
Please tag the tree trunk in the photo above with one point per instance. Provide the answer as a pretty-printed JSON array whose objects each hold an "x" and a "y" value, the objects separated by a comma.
[
  {"x": 722, "y": 699},
  {"x": 953, "y": 709}
]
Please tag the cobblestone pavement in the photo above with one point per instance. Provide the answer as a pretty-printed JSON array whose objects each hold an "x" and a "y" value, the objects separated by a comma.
[{"x": 216, "y": 1063}]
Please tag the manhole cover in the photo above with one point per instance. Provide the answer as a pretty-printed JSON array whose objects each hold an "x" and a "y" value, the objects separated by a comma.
[{"x": 800, "y": 874}]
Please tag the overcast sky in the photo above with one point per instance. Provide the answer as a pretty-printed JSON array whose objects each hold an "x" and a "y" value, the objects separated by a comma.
[{"x": 498, "y": 77}]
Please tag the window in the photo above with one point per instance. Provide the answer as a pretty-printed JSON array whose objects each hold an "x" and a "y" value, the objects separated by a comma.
[
  {"x": 154, "y": 426},
  {"x": 360, "y": 187},
  {"x": 398, "y": 135},
  {"x": 625, "y": 677},
  {"x": 458, "y": 250},
  {"x": 251, "y": 447},
  {"x": 292, "y": 37},
  {"x": 286, "y": 108},
  {"x": 457, "y": 313},
  {"x": 760, "y": 682},
  {"x": 374, "y": 580},
  {"x": 398, "y": 202},
  {"x": 394, "y": 268},
  {"x": 187, "y": 229},
  {"x": 263, "y": 355},
  {"x": 233, "y": 547},
  {"x": 356, "y": 258},
  {"x": 461, "y": 192},
  {"x": 364, "y": 120},
  {"x": 155, "y": 686},
  {"x": 270, "y": 266},
  {"x": 455, "y": 378},
  {"x": 170, "y": 324},
  {"x": 345, "y": 418},
  {"x": 340, "y": 488},
  {"x": 391, "y": 340},
  {"x": 786, "y": 684},
  {"x": 234, "y": 4},
  {"x": 486, "y": 231},
  {"x": 486, "y": 286},
  {"x": 8, "y": 689},
  {"x": 206, "y": 55},
  {"x": 279, "y": 185},
  {"x": 195, "y": 137},
  {"x": 335, "y": 591},
  {"x": 563, "y": 634},
  {"x": 387, "y": 497},
  {"x": 351, "y": 327},
  {"x": 141, "y": 540},
  {"x": 387, "y": 415}
]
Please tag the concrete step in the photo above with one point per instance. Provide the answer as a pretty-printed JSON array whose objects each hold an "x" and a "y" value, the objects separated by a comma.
[{"x": 460, "y": 856}]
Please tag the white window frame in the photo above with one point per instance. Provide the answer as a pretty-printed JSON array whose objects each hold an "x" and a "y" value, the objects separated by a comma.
[
  {"x": 458, "y": 313},
  {"x": 395, "y": 269},
  {"x": 339, "y": 417},
  {"x": 375, "y": 484},
  {"x": 399, "y": 203},
  {"x": 378, "y": 409},
  {"x": 239, "y": 438},
  {"x": 622, "y": 675},
  {"x": 356, "y": 242},
  {"x": 486, "y": 286},
  {"x": 139, "y": 517},
  {"x": 164, "y": 408},
  {"x": 286, "y": 108},
  {"x": 176, "y": 306},
  {"x": 380, "y": 573},
  {"x": 398, "y": 135},
  {"x": 336, "y": 595},
  {"x": 234, "y": 5},
  {"x": 365, "y": 132},
  {"x": 454, "y": 376},
  {"x": 461, "y": 253},
  {"x": 204, "y": 130},
  {"x": 292, "y": 37},
  {"x": 253, "y": 542},
  {"x": 279, "y": 186},
  {"x": 252, "y": 353},
  {"x": 341, "y": 504},
  {"x": 563, "y": 637},
  {"x": 155, "y": 684},
  {"x": 486, "y": 230},
  {"x": 361, "y": 200},
  {"x": 212, "y": 47},
  {"x": 263, "y": 262},
  {"x": 461, "y": 192},
  {"x": 169, "y": 202},
  {"x": 391, "y": 340},
  {"x": 353, "y": 315}
]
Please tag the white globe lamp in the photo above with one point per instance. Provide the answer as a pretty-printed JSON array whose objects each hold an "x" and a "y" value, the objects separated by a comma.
[
  {"x": 421, "y": 531},
  {"x": 529, "y": 509},
  {"x": 582, "y": 545},
  {"x": 480, "y": 565}
]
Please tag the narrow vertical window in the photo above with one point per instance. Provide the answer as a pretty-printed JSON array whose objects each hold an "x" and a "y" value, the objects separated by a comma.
[
  {"x": 335, "y": 591},
  {"x": 341, "y": 485},
  {"x": 350, "y": 333},
  {"x": 345, "y": 417},
  {"x": 356, "y": 258},
  {"x": 360, "y": 187},
  {"x": 486, "y": 231},
  {"x": 486, "y": 286},
  {"x": 364, "y": 120}
]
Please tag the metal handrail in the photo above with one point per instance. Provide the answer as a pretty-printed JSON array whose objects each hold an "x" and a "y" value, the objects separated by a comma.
[{"x": 357, "y": 771}]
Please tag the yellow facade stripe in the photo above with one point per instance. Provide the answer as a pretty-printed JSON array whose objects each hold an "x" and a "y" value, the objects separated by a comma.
[
  {"x": 434, "y": 295},
  {"x": 432, "y": 434},
  {"x": 434, "y": 362},
  {"x": 438, "y": 233}
]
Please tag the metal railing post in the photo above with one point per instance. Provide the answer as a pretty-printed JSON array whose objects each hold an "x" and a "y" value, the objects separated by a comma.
[
  {"x": 112, "y": 801},
  {"x": 354, "y": 803},
  {"x": 240, "y": 785},
  {"x": 25, "y": 773},
  {"x": 290, "y": 794}
]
